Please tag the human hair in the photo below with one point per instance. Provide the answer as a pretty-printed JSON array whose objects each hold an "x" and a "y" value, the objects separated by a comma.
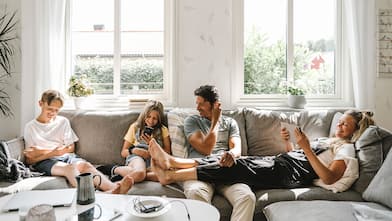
[
  {"x": 52, "y": 95},
  {"x": 151, "y": 105},
  {"x": 208, "y": 92},
  {"x": 363, "y": 119}
]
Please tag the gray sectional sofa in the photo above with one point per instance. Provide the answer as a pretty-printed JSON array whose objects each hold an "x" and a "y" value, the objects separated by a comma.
[{"x": 101, "y": 136}]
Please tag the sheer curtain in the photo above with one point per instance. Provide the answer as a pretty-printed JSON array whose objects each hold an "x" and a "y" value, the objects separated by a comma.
[
  {"x": 43, "y": 45},
  {"x": 360, "y": 43}
]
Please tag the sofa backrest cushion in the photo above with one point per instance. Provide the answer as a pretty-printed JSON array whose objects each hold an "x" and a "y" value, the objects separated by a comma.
[
  {"x": 372, "y": 148},
  {"x": 175, "y": 120},
  {"x": 238, "y": 115},
  {"x": 262, "y": 132},
  {"x": 101, "y": 134},
  {"x": 14, "y": 148},
  {"x": 380, "y": 188}
]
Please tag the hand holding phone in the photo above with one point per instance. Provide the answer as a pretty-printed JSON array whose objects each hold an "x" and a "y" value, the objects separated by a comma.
[{"x": 148, "y": 130}]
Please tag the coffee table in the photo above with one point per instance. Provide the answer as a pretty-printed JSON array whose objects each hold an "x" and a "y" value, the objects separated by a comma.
[{"x": 198, "y": 211}]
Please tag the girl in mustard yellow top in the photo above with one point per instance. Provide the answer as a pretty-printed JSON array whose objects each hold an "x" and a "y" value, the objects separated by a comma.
[{"x": 135, "y": 148}]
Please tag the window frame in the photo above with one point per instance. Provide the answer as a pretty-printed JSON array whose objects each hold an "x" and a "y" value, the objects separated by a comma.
[
  {"x": 343, "y": 96},
  {"x": 118, "y": 100}
]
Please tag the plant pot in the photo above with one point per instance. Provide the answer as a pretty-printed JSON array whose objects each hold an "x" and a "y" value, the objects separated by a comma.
[
  {"x": 79, "y": 102},
  {"x": 296, "y": 101}
]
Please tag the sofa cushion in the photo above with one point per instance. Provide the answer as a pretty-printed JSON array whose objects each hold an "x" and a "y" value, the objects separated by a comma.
[
  {"x": 334, "y": 122},
  {"x": 372, "y": 148},
  {"x": 263, "y": 132},
  {"x": 101, "y": 134},
  {"x": 150, "y": 188},
  {"x": 380, "y": 188},
  {"x": 268, "y": 196},
  {"x": 316, "y": 123},
  {"x": 238, "y": 115},
  {"x": 175, "y": 120},
  {"x": 35, "y": 183},
  {"x": 326, "y": 210},
  {"x": 15, "y": 148}
]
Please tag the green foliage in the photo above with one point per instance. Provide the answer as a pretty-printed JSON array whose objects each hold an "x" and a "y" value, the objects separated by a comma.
[
  {"x": 8, "y": 37},
  {"x": 265, "y": 67},
  {"x": 145, "y": 74},
  {"x": 78, "y": 87}
]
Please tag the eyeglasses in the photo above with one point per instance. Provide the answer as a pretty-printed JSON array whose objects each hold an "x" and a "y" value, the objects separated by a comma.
[{"x": 146, "y": 206}]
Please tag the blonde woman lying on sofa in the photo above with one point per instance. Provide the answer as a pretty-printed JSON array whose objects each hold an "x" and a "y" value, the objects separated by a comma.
[{"x": 331, "y": 164}]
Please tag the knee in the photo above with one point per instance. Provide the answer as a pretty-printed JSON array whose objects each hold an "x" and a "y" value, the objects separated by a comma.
[
  {"x": 197, "y": 192},
  {"x": 139, "y": 175},
  {"x": 86, "y": 167},
  {"x": 244, "y": 195}
]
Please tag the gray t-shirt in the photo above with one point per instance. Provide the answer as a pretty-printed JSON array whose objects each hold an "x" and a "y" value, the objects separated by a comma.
[{"x": 227, "y": 128}]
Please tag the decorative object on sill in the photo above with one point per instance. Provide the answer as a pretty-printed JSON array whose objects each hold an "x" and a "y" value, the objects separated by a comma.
[
  {"x": 79, "y": 89},
  {"x": 98, "y": 27},
  {"x": 296, "y": 96},
  {"x": 296, "y": 101},
  {"x": 8, "y": 37}
]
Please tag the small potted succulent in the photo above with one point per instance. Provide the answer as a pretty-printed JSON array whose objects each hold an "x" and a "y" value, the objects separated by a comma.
[
  {"x": 296, "y": 98},
  {"x": 79, "y": 89}
]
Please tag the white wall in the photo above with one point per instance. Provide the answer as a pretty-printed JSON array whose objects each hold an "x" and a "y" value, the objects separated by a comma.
[{"x": 205, "y": 56}]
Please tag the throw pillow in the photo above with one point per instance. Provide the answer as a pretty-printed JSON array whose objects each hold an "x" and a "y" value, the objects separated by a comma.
[
  {"x": 334, "y": 122},
  {"x": 372, "y": 147},
  {"x": 175, "y": 120},
  {"x": 380, "y": 188}
]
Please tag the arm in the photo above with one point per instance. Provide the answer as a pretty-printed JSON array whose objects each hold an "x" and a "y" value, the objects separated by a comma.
[
  {"x": 228, "y": 158},
  {"x": 124, "y": 150},
  {"x": 285, "y": 135},
  {"x": 205, "y": 143},
  {"x": 328, "y": 175},
  {"x": 36, "y": 154}
]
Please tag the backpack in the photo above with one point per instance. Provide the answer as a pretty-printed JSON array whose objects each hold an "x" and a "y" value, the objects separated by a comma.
[{"x": 12, "y": 169}]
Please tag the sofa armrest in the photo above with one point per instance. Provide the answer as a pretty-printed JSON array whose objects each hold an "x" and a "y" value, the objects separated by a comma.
[{"x": 14, "y": 148}]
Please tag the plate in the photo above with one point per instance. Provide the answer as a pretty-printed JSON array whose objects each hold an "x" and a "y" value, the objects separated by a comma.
[{"x": 148, "y": 200}]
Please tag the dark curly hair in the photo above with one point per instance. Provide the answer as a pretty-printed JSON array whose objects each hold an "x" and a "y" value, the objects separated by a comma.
[{"x": 208, "y": 92}]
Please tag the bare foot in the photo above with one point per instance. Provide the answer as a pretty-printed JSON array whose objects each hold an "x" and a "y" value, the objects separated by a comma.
[
  {"x": 123, "y": 186},
  {"x": 159, "y": 173},
  {"x": 161, "y": 158}
]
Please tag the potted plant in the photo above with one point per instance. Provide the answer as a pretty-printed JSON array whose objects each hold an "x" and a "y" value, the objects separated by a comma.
[
  {"x": 296, "y": 96},
  {"x": 8, "y": 37},
  {"x": 79, "y": 89}
]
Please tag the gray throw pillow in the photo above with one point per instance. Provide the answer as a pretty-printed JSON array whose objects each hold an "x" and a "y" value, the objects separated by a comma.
[
  {"x": 380, "y": 188},
  {"x": 372, "y": 147}
]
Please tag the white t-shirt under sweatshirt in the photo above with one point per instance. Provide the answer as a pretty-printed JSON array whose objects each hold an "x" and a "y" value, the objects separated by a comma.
[{"x": 56, "y": 133}]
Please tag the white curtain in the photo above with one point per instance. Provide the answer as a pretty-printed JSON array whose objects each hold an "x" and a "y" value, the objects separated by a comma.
[
  {"x": 43, "y": 43},
  {"x": 360, "y": 42}
]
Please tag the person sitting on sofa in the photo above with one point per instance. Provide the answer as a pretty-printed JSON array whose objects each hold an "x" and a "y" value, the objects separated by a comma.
[
  {"x": 211, "y": 134},
  {"x": 49, "y": 147},
  {"x": 148, "y": 125},
  {"x": 332, "y": 161}
]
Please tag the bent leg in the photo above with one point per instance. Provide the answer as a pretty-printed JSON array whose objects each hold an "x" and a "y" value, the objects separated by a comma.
[
  {"x": 136, "y": 169},
  {"x": 241, "y": 198},
  {"x": 69, "y": 171},
  {"x": 106, "y": 185},
  {"x": 198, "y": 190}
]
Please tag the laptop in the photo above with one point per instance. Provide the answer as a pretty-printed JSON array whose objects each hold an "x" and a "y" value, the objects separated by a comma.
[{"x": 56, "y": 197}]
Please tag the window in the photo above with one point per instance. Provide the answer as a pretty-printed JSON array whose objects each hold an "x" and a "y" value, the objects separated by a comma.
[
  {"x": 123, "y": 47},
  {"x": 286, "y": 42}
]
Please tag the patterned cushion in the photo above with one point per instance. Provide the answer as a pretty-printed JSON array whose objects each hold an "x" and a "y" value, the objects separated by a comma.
[{"x": 175, "y": 120}]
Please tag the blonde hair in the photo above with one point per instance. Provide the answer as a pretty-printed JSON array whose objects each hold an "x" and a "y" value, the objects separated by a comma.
[
  {"x": 363, "y": 119},
  {"x": 151, "y": 105},
  {"x": 52, "y": 95}
]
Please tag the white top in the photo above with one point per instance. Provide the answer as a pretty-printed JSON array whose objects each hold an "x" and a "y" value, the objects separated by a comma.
[
  {"x": 56, "y": 133},
  {"x": 344, "y": 152}
]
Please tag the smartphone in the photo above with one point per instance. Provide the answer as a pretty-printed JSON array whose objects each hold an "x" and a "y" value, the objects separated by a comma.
[
  {"x": 148, "y": 130},
  {"x": 96, "y": 213}
]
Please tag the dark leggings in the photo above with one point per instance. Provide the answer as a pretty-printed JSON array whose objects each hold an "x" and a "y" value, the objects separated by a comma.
[{"x": 281, "y": 171}]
